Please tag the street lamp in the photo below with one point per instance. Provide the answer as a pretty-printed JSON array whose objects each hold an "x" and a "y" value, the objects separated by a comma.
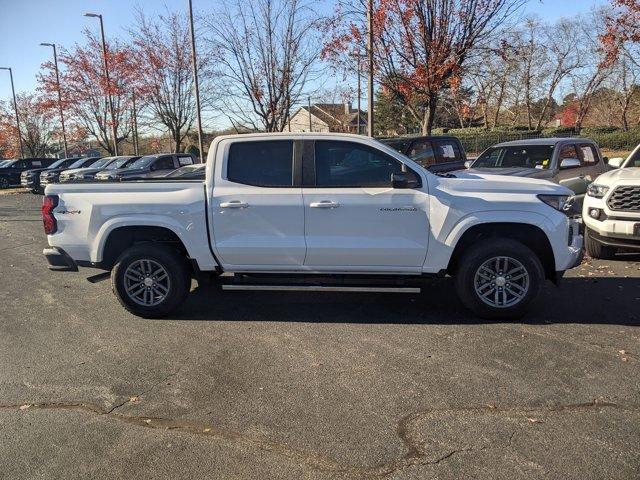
[
  {"x": 15, "y": 107},
  {"x": 106, "y": 74},
  {"x": 55, "y": 61},
  {"x": 370, "y": 119},
  {"x": 195, "y": 79}
]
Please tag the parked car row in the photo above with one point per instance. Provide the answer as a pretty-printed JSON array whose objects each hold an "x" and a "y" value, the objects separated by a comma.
[{"x": 36, "y": 173}]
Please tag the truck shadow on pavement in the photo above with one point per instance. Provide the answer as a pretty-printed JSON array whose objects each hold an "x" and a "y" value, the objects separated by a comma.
[{"x": 586, "y": 300}]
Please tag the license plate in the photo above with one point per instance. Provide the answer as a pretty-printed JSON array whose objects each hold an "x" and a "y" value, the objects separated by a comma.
[{"x": 636, "y": 230}]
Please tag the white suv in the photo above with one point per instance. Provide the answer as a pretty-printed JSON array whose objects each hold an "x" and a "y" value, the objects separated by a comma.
[{"x": 611, "y": 210}]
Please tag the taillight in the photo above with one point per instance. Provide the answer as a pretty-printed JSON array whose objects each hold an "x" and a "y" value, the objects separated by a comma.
[{"x": 49, "y": 202}]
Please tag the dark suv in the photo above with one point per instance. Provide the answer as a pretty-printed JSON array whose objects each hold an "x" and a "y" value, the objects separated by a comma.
[
  {"x": 149, "y": 166},
  {"x": 10, "y": 173},
  {"x": 438, "y": 154},
  {"x": 31, "y": 178}
]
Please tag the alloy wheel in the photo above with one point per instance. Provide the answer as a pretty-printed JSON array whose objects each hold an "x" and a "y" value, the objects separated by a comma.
[
  {"x": 501, "y": 282},
  {"x": 146, "y": 282}
]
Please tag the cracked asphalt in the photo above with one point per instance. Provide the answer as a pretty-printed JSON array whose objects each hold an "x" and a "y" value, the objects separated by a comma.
[{"x": 264, "y": 385}]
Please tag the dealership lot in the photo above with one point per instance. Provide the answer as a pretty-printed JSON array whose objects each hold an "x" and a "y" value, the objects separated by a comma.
[{"x": 264, "y": 385}]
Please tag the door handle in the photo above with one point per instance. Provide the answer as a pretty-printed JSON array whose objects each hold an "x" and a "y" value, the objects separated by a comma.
[
  {"x": 324, "y": 204},
  {"x": 234, "y": 204}
]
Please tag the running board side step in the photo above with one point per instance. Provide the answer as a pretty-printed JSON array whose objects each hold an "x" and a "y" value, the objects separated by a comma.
[{"x": 321, "y": 288}]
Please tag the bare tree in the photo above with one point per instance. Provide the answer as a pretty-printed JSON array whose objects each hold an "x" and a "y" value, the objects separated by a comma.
[
  {"x": 266, "y": 52},
  {"x": 163, "y": 57},
  {"x": 594, "y": 69},
  {"x": 38, "y": 124}
]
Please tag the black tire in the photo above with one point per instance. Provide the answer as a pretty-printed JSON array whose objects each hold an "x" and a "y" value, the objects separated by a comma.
[
  {"x": 4, "y": 183},
  {"x": 173, "y": 263},
  {"x": 595, "y": 249},
  {"x": 469, "y": 264}
]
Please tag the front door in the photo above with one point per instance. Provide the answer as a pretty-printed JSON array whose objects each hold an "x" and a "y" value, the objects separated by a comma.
[
  {"x": 353, "y": 217},
  {"x": 256, "y": 207}
]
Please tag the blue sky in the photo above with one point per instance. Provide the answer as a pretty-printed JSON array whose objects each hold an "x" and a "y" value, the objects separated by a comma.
[{"x": 26, "y": 23}]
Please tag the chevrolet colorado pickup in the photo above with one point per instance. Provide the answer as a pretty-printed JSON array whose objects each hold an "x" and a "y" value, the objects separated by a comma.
[{"x": 307, "y": 211}]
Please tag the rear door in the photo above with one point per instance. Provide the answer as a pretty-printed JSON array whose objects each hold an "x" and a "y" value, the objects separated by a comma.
[
  {"x": 256, "y": 208},
  {"x": 353, "y": 216}
]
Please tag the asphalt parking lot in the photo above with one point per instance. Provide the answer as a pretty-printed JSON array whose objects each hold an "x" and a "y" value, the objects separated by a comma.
[{"x": 271, "y": 385}]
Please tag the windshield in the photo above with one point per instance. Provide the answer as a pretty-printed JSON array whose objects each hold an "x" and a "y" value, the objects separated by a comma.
[
  {"x": 4, "y": 163},
  {"x": 100, "y": 163},
  {"x": 524, "y": 156},
  {"x": 142, "y": 162},
  {"x": 60, "y": 163},
  {"x": 120, "y": 163},
  {"x": 633, "y": 160},
  {"x": 77, "y": 163}
]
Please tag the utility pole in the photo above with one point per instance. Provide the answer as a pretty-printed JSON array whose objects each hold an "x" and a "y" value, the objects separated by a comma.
[
  {"x": 15, "y": 107},
  {"x": 135, "y": 123},
  {"x": 309, "y": 107},
  {"x": 55, "y": 62},
  {"x": 195, "y": 80},
  {"x": 359, "y": 72},
  {"x": 370, "y": 79},
  {"x": 106, "y": 74}
]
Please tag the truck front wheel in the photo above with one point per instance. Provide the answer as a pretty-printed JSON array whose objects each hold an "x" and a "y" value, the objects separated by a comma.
[
  {"x": 150, "y": 280},
  {"x": 498, "y": 278}
]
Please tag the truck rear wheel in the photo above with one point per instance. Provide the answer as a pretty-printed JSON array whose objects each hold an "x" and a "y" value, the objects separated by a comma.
[
  {"x": 498, "y": 278},
  {"x": 595, "y": 249},
  {"x": 150, "y": 280}
]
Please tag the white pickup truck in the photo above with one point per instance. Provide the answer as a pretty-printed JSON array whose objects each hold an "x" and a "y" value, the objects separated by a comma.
[
  {"x": 611, "y": 209},
  {"x": 315, "y": 212}
]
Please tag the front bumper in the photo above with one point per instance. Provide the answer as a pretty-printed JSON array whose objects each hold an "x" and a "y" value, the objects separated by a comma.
[
  {"x": 576, "y": 250},
  {"x": 627, "y": 242},
  {"x": 59, "y": 260}
]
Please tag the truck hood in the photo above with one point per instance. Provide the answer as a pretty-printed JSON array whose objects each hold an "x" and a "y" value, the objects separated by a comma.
[
  {"x": 474, "y": 181},
  {"x": 630, "y": 174},
  {"x": 514, "y": 172},
  {"x": 81, "y": 170}
]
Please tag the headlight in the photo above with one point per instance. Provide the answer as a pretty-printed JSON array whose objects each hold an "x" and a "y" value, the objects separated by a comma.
[
  {"x": 597, "y": 191},
  {"x": 559, "y": 202}
]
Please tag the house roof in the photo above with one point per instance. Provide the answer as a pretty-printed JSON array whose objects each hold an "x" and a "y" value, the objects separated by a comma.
[{"x": 334, "y": 114}]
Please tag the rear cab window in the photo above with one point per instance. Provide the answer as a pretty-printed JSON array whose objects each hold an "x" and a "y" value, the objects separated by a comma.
[
  {"x": 447, "y": 151},
  {"x": 184, "y": 160},
  {"x": 266, "y": 163}
]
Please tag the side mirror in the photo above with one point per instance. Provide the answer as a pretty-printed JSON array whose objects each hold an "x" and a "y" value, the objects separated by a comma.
[
  {"x": 468, "y": 164},
  {"x": 615, "y": 162},
  {"x": 570, "y": 163},
  {"x": 403, "y": 180}
]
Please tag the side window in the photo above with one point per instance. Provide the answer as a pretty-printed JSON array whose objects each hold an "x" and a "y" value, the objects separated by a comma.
[
  {"x": 262, "y": 164},
  {"x": 568, "y": 151},
  {"x": 589, "y": 154},
  {"x": 21, "y": 164},
  {"x": 36, "y": 163},
  {"x": 185, "y": 160},
  {"x": 447, "y": 151},
  {"x": 164, "y": 163},
  {"x": 422, "y": 153},
  {"x": 347, "y": 164}
]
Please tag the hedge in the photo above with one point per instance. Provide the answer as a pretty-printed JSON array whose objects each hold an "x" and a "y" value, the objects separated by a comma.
[{"x": 477, "y": 139}]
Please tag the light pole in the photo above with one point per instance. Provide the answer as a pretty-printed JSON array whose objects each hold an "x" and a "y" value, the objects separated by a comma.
[
  {"x": 106, "y": 74},
  {"x": 370, "y": 80},
  {"x": 55, "y": 62},
  {"x": 195, "y": 80},
  {"x": 15, "y": 107}
]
